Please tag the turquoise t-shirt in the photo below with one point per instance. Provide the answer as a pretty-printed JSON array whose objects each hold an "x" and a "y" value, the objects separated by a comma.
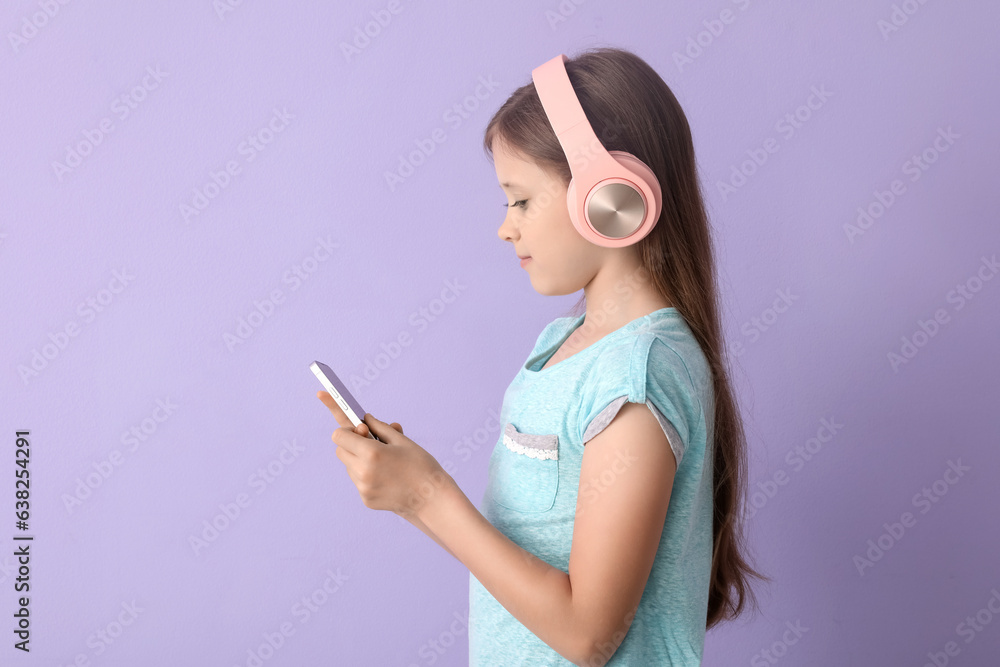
[{"x": 534, "y": 473}]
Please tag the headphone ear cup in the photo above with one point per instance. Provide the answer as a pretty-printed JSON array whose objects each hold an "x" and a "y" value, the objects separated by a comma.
[
  {"x": 582, "y": 226},
  {"x": 643, "y": 173},
  {"x": 639, "y": 172}
]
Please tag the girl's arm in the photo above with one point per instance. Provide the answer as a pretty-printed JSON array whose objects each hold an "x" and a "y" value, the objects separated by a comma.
[
  {"x": 415, "y": 520},
  {"x": 585, "y": 614},
  {"x": 430, "y": 533}
]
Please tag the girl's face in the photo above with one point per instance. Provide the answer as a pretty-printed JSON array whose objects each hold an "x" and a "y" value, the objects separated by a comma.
[{"x": 562, "y": 261}]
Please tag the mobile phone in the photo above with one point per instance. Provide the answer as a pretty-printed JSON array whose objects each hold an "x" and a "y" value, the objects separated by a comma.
[{"x": 347, "y": 403}]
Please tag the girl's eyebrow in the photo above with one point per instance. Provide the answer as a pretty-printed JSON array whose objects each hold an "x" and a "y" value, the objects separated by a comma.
[{"x": 510, "y": 185}]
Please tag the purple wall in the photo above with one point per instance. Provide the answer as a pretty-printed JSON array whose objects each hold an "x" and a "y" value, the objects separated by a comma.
[{"x": 139, "y": 228}]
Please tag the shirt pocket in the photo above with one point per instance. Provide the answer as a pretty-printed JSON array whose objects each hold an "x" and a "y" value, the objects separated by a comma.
[{"x": 524, "y": 473}]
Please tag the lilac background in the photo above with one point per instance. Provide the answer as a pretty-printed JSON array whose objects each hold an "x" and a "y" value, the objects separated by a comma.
[{"x": 323, "y": 176}]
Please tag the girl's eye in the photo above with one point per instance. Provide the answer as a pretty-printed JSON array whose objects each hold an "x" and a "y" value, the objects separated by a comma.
[{"x": 520, "y": 201}]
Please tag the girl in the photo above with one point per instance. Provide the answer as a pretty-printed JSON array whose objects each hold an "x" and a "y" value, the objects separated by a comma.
[{"x": 610, "y": 530}]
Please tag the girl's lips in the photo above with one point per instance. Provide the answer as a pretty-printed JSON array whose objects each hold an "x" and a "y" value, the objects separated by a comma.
[{"x": 525, "y": 261}]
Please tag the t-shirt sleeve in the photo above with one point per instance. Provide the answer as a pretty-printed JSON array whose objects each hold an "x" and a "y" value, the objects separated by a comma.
[{"x": 654, "y": 374}]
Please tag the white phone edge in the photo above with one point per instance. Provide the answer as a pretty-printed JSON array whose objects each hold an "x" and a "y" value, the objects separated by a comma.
[{"x": 355, "y": 419}]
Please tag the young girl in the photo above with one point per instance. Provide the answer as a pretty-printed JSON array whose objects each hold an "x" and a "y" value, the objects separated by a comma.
[{"x": 610, "y": 528}]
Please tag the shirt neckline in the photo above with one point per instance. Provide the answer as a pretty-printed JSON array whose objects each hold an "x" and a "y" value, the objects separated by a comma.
[{"x": 542, "y": 358}]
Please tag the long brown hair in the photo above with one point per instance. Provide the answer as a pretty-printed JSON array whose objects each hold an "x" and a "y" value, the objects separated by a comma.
[{"x": 632, "y": 109}]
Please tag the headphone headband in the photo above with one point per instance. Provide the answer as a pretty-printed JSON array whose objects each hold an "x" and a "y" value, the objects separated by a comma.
[
  {"x": 559, "y": 100},
  {"x": 614, "y": 199}
]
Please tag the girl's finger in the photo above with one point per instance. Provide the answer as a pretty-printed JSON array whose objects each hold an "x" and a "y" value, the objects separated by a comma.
[{"x": 331, "y": 404}]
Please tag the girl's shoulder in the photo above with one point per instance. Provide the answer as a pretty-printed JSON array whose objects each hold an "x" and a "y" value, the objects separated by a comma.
[{"x": 664, "y": 365}]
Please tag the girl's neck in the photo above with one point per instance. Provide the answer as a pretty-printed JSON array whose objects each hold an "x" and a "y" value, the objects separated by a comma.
[{"x": 612, "y": 307}]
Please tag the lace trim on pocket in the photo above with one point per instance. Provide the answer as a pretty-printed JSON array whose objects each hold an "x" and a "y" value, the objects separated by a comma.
[{"x": 530, "y": 451}]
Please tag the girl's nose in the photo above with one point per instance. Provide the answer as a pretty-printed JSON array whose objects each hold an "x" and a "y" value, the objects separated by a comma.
[{"x": 506, "y": 228}]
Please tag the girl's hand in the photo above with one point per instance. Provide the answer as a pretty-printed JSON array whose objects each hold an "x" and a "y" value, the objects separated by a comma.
[{"x": 396, "y": 474}]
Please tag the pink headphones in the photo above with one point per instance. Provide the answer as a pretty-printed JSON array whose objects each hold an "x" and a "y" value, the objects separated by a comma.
[{"x": 614, "y": 199}]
